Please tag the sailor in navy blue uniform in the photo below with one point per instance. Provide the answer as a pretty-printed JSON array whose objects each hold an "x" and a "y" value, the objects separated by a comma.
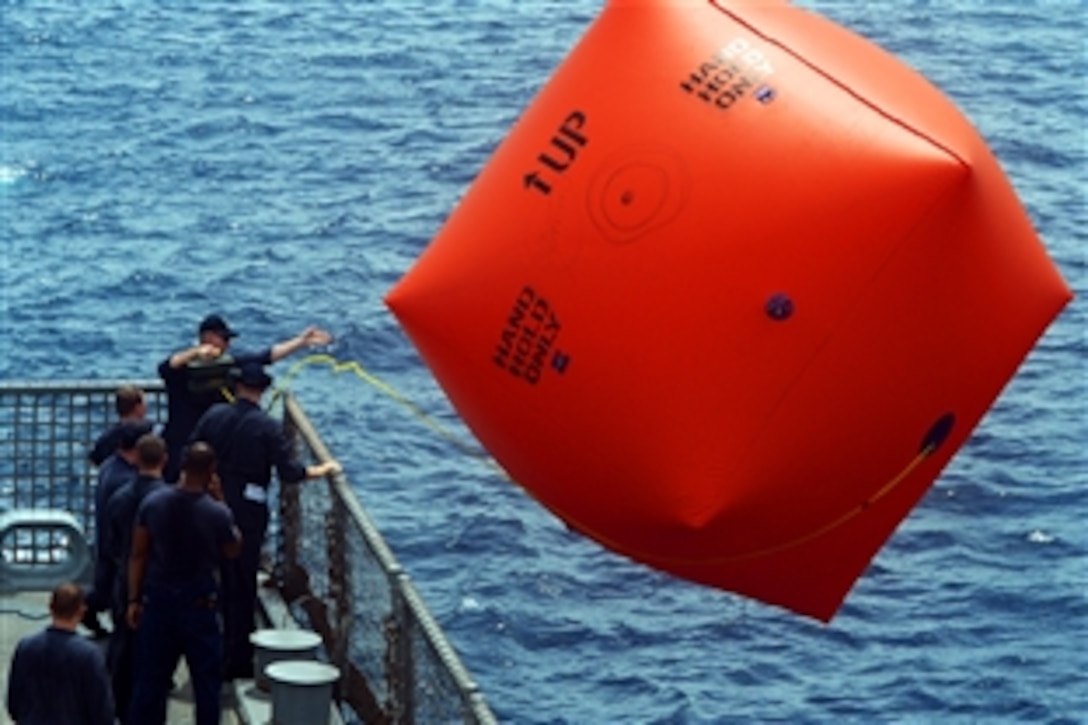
[
  {"x": 181, "y": 535},
  {"x": 57, "y": 676},
  {"x": 120, "y": 519},
  {"x": 131, "y": 405},
  {"x": 250, "y": 444},
  {"x": 195, "y": 377},
  {"x": 115, "y": 472}
]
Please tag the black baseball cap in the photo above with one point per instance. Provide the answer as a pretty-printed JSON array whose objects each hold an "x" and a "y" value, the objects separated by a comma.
[
  {"x": 216, "y": 324},
  {"x": 251, "y": 374}
]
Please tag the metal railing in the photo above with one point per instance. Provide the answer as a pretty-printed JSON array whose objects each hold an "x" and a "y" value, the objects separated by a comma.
[
  {"x": 329, "y": 562},
  {"x": 46, "y": 431}
]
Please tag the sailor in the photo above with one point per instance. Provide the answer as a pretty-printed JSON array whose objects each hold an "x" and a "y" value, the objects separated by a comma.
[
  {"x": 120, "y": 518},
  {"x": 250, "y": 444},
  {"x": 131, "y": 405},
  {"x": 182, "y": 534},
  {"x": 57, "y": 676},
  {"x": 195, "y": 377},
  {"x": 114, "y": 473}
]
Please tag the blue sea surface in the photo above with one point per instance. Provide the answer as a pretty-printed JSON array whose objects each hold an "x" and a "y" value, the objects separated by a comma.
[{"x": 285, "y": 163}]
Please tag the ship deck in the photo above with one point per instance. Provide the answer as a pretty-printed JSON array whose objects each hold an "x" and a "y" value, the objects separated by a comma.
[
  {"x": 24, "y": 613},
  {"x": 328, "y": 569}
]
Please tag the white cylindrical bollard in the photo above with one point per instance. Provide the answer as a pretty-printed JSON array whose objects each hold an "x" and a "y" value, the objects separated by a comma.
[
  {"x": 301, "y": 691},
  {"x": 274, "y": 645}
]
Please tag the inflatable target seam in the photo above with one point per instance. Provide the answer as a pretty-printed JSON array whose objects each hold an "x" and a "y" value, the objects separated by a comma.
[{"x": 845, "y": 87}]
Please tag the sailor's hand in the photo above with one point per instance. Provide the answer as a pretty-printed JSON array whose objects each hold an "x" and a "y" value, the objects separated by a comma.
[
  {"x": 207, "y": 351},
  {"x": 314, "y": 336},
  {"x": 328, "y": 468},
  {"x": 132, "y": 614},
  {"x": 200, "y": 351},
  {"x": 215, "y": 487}
]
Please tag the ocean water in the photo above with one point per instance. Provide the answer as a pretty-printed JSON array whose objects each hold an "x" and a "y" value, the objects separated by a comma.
[{"x": 285, "y": 163}]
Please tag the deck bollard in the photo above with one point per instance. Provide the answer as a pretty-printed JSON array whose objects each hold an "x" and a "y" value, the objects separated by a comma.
[
  {"x": 301, "y": 691},
  {"x": 275, "y": 645}
]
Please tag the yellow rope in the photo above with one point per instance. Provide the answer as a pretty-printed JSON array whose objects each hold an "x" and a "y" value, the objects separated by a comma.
[
  {"x": 352, "y": 366},
  {"x": 777, "y": 548},
  {"x": 860, "y": 508}
]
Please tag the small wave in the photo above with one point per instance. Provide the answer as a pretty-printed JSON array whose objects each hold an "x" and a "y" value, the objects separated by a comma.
[
  {"x": 11, "y": 174},
  {"x": 1040, "y": 537}
]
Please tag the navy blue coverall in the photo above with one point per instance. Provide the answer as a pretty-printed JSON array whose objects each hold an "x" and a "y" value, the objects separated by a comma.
[{"x": 249, "y": 445}]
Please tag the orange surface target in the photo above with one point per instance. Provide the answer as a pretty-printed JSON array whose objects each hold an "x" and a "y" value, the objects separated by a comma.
[{"x": 731, "y": 294}]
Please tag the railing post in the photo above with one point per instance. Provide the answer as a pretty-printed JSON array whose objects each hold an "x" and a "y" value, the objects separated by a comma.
[
  {"x": 289, "y": 531},
  {"x": 339, "y": 588},
  {"x": 401, "y": 668}
]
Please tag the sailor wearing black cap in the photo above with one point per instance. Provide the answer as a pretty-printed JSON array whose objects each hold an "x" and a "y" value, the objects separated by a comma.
[
  {"x": 249, "y": 444},
  {"x": 195, "y": 377}
]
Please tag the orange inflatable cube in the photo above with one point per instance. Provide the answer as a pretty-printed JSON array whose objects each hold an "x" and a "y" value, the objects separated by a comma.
[{"x": 731, "y": 294}]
